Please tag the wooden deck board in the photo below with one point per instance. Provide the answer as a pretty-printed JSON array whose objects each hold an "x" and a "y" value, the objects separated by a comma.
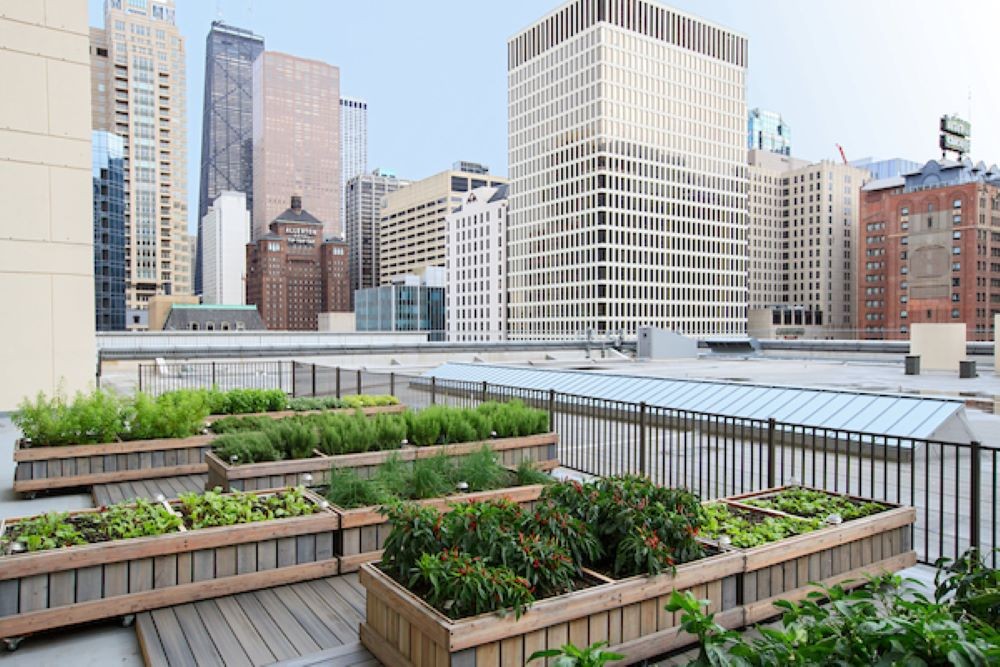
[
  {"x": 170, "y": 487},
  {"x": 309, "y": 623}
]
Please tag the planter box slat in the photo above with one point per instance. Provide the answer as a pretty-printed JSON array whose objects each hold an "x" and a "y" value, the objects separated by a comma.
[
  {"x": 58, "y": 452},
  {"x": 126, "y": 475}
]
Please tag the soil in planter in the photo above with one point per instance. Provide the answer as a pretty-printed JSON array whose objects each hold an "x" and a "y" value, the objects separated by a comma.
[
  {"x": 747, "y": 529},
  {"x": 56, "y": 530},
  {"x": 810, "y": 504}
]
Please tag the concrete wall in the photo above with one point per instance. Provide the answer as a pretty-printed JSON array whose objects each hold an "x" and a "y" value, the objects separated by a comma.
[
  {"x": 46, "y": 227},
  {"x": 940, "y": 346},
  {"x": 339, "y": 323}
]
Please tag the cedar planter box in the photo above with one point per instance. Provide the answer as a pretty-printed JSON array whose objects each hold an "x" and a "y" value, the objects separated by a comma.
[
  {"x": 62, "y": 587},
  {"x": 280, "y": 414},
  {"x": 831, "y": 555},
  {"x": 272, "y": 474},
  {"x": 48, "y": 468},
  {"x": 363, "y": 530},
  {"x": 401, "y": 629},
  {"x": 53, "y": 467}
]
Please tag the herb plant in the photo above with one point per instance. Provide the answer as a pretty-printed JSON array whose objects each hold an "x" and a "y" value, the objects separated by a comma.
[
  {"x": 571, "y": 656},
  {"x": 213, "y": 508},
  {"x": 747, "y": 529}
]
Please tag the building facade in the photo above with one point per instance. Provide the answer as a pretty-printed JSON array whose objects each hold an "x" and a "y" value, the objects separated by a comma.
[
  {"x": 139, "y": 88},
  {"x": 412, "y": 231},
  {"x": 108, "y": 178},
  {"x": 46, "y": 226},
  {"x": 628, "y": 182},
  {"x": 803, "y": 241},
  {"x": 293, "y": 274},
  {"x": 475, "y": 266},
  {"x": 353, "y": 143},
  {"x": 931, "y": 250},
  {"x": 296, "y": 139},
  {"x": 227, "y": 121},
  {"x": 768, "y": 131},
  {"x": 225, "y": 233},
  {"x": 409, "y": 303},
  {"x": 363, "y": 197}
]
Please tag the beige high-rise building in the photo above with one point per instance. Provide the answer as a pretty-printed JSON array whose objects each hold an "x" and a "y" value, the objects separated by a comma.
[
  {"x": 46, "y": 228},
  {"x": 296, "y": 139},
  {"x": 626, "y": 140},
  {"x": 139, "y": 84},
  {"x": 412, "y": 230},
  {"x": 803, "y": 239}
]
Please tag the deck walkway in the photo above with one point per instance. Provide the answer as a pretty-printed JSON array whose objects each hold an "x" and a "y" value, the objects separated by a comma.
[
  {"x": 170, "y": 487},
  {"x": 309, "y": 623}
]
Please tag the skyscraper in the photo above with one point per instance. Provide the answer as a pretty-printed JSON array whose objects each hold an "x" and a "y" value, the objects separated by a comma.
[
  {"x": 46, "y": 229},
  {"x": 139, "y": 86},
  {"x": 108, "y": 176},
  {"x": 225, "y": 233},
  {"x": 227, "y": 120},
  {"x": 627, "y": 157},
  {"x": 768, "y": 131},
  {"x": 363, "y": 197},
  {"x": 412, "y": 234},
  {"x": 296, "y": 139},
  {"x": 353, "y": 142}
]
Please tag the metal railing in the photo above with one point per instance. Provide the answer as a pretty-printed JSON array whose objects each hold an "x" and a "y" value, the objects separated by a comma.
[
  {"x": 158, "y": 378},
  {"x": 953, "y": 486}
]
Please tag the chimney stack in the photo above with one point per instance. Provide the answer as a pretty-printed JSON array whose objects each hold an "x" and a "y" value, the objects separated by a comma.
[{"x": 297, "y": 203}]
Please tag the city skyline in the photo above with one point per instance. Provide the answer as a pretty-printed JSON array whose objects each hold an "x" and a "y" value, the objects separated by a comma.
[{"x": 827, "y": 100}]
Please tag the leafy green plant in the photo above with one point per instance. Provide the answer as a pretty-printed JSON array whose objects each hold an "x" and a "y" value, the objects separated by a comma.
[
  {"x": 970, "y": 587},
  {"x": 881, "y": 624},
  {"x": 571, "y": 656},
  {"x": 47, "y": 531},
  {"x": 747, "y": 529},
  {"x": 294, "y": 439},
  {"x": 393, "y": 475},
  {"x": 416, "y": 531},
  {"x": 249, "y": 447},
  {"x": 810, "y": 504},
  {"x": 481, "y": 470},
  {"x": 461, "y": 585},
  {"x": 569, "y": 532},
  {"x": 527, "y": 473},
  {"x": 368, "y": 400},
  {"x": 90, "y": 418},
  {"x": 213, "y": 508},
  {"x": 426, "y": 426},
  {"x": 238, "y": 424},
  {"x": 431, "y": 477},
  {"x": 172, "y": 415},
  {"x": 141, "y": 518}
]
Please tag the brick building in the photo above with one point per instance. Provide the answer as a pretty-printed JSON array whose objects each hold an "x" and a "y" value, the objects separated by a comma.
[
  {"x": 930, "y": 250},
  {"x": 294, "y": 274}
]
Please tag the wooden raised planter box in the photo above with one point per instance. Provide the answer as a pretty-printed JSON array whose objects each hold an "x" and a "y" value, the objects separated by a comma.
[
  {"x": 403, "y": 630},
  {"x": 831, "y": 555},
  {"x": 272, "y": 474},
  {"x": 49, "y": 468},
  {"x": 62, "y": 587},
  {"x": 363, "y": 530}
]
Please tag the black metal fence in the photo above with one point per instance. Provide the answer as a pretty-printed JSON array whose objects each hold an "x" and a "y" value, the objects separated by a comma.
[
  {"x": 161, "y": 377},
  {"x": 953, "y": 486}
]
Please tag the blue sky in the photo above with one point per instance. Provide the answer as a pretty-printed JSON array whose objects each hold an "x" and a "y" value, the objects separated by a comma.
[{"x": 871, "y": 75}]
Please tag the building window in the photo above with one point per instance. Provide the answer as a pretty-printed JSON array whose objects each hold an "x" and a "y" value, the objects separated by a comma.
[
  {"x": 955, "y": 313},
  {"x": 956, "y": 235},
  {"x": 903, "y": 314},
  {"x": 957, "y": 203}
]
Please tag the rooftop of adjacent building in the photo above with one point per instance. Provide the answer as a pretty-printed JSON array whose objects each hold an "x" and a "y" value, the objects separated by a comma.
[{"x": 939, "y": 174}]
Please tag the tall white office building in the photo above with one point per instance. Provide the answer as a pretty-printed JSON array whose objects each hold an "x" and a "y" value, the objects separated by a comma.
[
  {"x": 475, "y": 266},
  {"x": 225, "y": 234},
  {"x": 627, "y": 131},
  {"x": 353, "y": 143},
  {"x": 363, "y": 198}
]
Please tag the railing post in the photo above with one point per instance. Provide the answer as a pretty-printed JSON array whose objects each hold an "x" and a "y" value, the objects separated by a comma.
[
  {"x": 313, "y": 379},
  {"x": 642, "y": 438},
  {"x": 392, "y": 383},
  {"x": 359, "y": 382},
  {"x": 482, "y": 398},
  {"x": 433, "y": 390},
  {"x": 140, "y": 376},
  {"x": 338, "y": 381},
  {"x": 213, "y": 373},
  {"x": 975, "y": 495},
  {"x": 771, "y": 462},
  {"x": 552, "y": 409}
]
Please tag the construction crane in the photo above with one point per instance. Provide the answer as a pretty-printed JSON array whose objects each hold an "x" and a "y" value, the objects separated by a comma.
[{"x": 842, "y": 156}]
